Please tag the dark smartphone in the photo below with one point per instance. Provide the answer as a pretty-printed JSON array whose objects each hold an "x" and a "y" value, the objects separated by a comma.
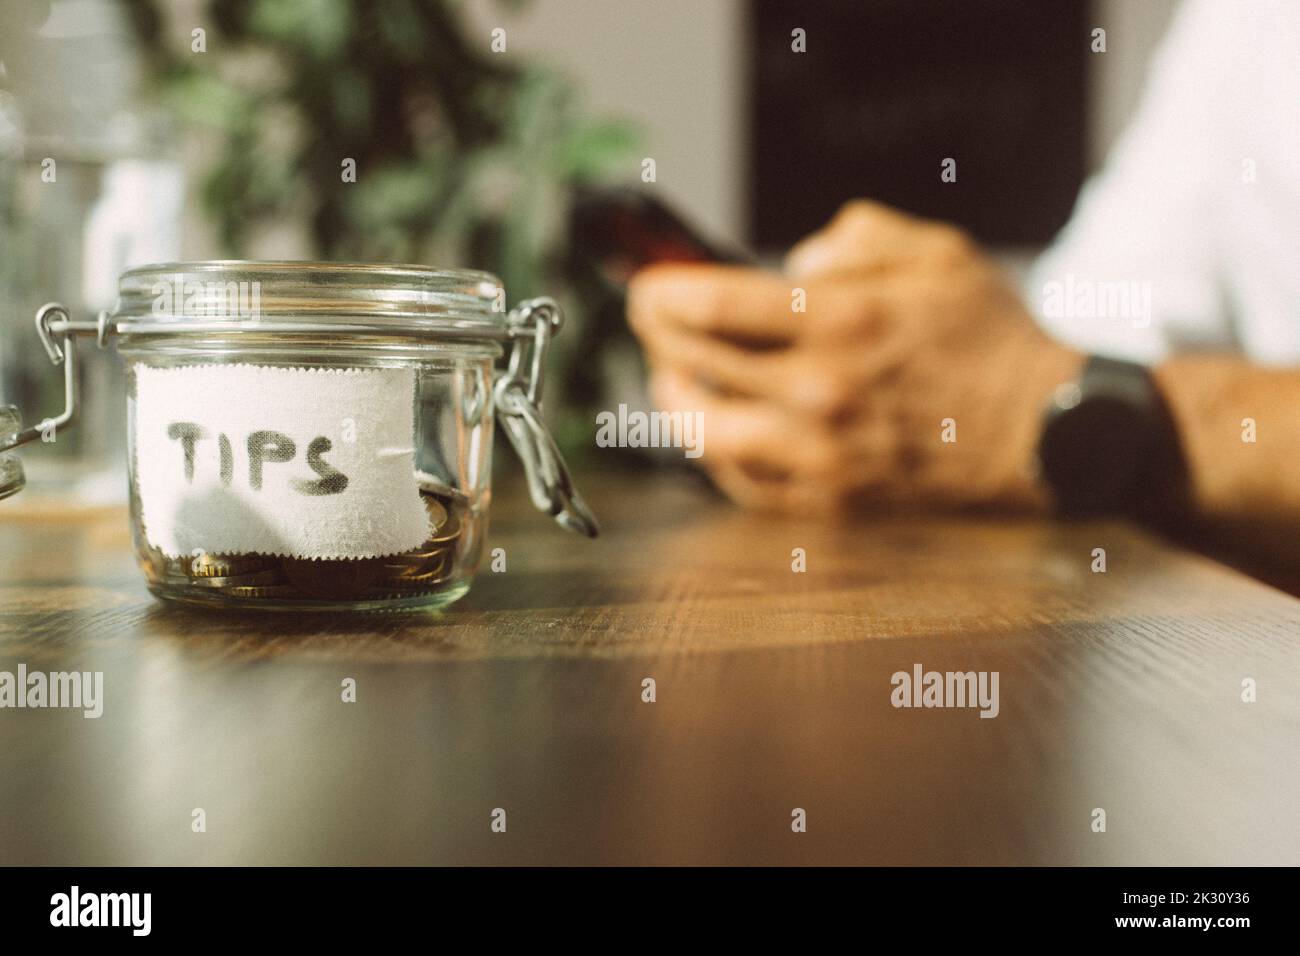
[
  {"x": 619, "y": 230},
  {"x": 614, "y": 232}
]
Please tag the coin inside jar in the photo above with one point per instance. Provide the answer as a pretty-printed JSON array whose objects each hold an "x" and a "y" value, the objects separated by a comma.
[
  {"x": 437, "y": 513},
  {"x": 256, "y": 579},
  {"x": 228, "y": 566},
  {"x": 260, "y": 577}
]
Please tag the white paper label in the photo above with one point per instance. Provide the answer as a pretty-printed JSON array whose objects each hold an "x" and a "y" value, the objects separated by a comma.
[{"x": 300, "y": 462}]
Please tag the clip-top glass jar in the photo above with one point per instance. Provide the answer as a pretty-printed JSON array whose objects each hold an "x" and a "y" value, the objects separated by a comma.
[{"x": 317, "y": 436}]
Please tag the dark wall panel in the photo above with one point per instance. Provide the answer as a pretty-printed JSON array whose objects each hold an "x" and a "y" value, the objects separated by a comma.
[{"x": 889, "y": 88}]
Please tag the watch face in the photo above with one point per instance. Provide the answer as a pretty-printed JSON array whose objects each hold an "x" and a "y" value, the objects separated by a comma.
[{"x": 1092, "y": 454}]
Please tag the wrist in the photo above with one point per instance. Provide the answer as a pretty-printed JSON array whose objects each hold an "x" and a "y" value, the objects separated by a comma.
[
  {"x": 1109, "y": 446},
  {"x": 1042, "y": 369}
]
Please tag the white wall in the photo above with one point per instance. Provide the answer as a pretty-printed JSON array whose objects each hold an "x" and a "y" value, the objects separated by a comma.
[
  {"x": 675, "y": 67},
  {"x": 1133, "y": 27}
]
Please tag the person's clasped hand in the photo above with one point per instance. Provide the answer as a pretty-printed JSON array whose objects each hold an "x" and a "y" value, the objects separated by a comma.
[{"x": 913, "y": 375}]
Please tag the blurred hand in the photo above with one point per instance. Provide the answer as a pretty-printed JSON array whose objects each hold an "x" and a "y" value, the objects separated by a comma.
[{"x": 906, "y": 325}]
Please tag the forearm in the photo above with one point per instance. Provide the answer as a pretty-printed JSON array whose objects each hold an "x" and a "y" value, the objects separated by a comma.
[{"x": 1239, "y": 425}]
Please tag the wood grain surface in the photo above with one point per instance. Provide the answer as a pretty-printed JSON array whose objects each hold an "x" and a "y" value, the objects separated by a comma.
[{"x": 1118, "y": 690}]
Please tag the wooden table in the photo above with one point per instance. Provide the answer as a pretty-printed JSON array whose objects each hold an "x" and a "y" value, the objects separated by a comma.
[{"x": 1118, "y": 690}]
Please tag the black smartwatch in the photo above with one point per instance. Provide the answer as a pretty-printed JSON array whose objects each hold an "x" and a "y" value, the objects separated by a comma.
[{"x": 1109, "y": 446}]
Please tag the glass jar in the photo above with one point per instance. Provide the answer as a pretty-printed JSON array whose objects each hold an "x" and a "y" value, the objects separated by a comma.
[{"x": 314, "y": 436}]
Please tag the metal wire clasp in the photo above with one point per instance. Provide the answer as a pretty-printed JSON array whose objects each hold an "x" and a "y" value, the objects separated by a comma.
[
  {"x": 518, "y": 393},
  {"x": 57, "y": 329}
]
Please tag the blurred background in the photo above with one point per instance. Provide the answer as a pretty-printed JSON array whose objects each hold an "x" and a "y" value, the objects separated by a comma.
[{"x": 136, "y": 131}]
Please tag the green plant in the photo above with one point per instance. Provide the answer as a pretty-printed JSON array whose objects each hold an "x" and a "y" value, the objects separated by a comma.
[
  {"x": 463, "y": 157},
  {"x": 454, "y": 145}
]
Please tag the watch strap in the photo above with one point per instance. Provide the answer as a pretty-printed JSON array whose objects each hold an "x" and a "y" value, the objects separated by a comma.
[{"x": 1110, "y": 446}]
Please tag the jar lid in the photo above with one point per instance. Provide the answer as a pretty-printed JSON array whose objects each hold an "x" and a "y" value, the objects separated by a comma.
[{"x": 233, "y": 295}]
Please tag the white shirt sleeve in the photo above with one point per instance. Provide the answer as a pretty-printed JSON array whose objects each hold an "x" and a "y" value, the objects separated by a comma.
[{"x": 1133, "y": 274}]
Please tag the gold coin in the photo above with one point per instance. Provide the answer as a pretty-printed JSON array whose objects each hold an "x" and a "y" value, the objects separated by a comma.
[
  {"x": 423, "y": 555},
  {"x": 435, "y": 486},
  {"x": 269, "y": 591},
  {"x": 448, "y": 533},
  {"x": 411, "y": 580},
  {"x": 416, "y": 582},
  {"x": 256, "y": 579},
  {"x": 436, "y": 509},
  {"x": 225, "y": 566}
]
